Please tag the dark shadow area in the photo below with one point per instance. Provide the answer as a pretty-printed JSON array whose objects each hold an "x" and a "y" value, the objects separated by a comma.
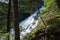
[
  {"x": 58, "y": 3},
  {"x": 57, "y": 35}
]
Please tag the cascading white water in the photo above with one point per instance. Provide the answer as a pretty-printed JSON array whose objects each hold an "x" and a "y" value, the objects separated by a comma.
[{"x": 27, "y": 25}]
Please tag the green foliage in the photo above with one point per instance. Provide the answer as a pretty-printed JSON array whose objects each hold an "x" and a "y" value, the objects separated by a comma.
[
  {"x": 29, "y": 6},
  {"x": 4, "y": 36},
  {"x": 3, "y": 15},
  {"x": 3, "y": 8},
  {"x": 48, "y": 4},
  {"x": 54, "y": 22}
]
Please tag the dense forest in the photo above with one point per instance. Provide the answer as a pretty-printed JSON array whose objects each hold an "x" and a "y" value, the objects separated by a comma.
[{"x": 15, "y": 11}]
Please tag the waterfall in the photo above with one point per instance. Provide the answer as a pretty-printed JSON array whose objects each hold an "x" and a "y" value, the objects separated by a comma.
[{"x": 27, "y": 25}]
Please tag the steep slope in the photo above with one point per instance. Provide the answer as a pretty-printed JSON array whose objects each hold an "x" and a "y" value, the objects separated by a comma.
[{"x": 49, "y": 15}]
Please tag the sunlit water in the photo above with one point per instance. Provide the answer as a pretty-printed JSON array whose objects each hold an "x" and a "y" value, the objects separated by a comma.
[{"x": 27, "y": 25}]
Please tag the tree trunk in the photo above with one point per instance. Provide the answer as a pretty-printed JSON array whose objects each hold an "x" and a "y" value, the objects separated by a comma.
[
  {"x": 8, "y": 18},
  {"x": 46, "y": 33},
  {"x": 16, "y": 20}
]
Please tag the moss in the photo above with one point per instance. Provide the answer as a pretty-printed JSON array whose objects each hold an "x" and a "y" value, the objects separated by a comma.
[{"x": 48, "y": 4}]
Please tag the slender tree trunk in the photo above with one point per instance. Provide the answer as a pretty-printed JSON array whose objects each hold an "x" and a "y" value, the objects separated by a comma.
[
  {"x": 8, "y": 16},
  {"x": 46, "y": 32},
  {"x": 16, "y": 20}
]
